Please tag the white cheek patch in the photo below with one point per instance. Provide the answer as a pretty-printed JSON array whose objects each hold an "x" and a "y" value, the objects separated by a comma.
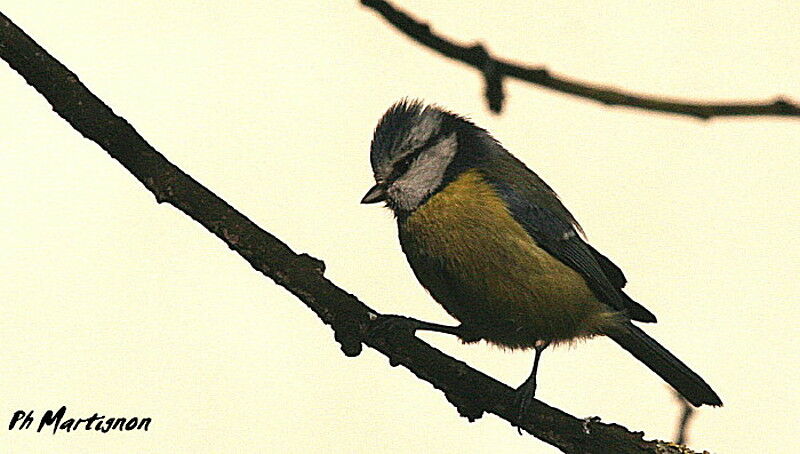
[{"x": 424, "y": 175}]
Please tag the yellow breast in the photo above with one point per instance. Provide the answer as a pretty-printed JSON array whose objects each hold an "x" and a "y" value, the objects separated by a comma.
[{"x": 498, "y": 280}]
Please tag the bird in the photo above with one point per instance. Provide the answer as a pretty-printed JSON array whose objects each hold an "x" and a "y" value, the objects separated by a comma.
[{"x": 495, "y": 246}]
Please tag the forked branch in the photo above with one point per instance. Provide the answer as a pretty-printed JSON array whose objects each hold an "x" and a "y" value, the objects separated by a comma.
[{"x": 495, "y": 69}]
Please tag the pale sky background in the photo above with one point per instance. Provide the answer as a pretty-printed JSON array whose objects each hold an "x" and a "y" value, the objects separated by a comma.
[{"x": 116, "y": 305}]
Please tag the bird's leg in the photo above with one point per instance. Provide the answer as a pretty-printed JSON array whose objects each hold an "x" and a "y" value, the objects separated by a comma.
[
  {"x": 414, "y": 325},
  {"x": 527, "y": 390}
]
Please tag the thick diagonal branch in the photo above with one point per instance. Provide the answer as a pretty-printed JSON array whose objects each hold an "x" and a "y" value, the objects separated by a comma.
[
  {"x": 495, "y": 69},
  {"x": 471, "y": 391}
]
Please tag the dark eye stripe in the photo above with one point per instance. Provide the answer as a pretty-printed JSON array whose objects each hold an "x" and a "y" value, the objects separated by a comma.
[{"x": 401, "y": 166}]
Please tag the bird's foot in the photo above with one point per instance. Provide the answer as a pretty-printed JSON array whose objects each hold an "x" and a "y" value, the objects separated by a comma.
[
  {"x": 381, "y": 324},
  {"x": 524, "y": 398},
  {"x": 384, "y": 323}
]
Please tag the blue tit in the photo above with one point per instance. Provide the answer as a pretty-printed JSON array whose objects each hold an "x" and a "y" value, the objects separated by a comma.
[{"x": 494, "y": 245}]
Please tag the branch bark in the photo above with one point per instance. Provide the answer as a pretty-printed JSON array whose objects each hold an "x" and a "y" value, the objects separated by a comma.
[
  {"x": 469, "y": 390},
  {"x": 494, "y": 69}
]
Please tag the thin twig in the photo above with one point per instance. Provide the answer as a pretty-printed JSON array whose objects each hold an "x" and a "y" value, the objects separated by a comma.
[
  {"x": 495, "y": 69},
  {"x": 469, "y": 390}
]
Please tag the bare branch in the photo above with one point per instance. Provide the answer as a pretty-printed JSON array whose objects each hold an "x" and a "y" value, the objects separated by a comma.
[
  {"x": 469, "y": 390},
  {"x": 495, "y": 69}
]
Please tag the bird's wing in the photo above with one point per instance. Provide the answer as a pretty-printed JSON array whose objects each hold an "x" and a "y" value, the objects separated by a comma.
[{"x": 537, "y": 207}]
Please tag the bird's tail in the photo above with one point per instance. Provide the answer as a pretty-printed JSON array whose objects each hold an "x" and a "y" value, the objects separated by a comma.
[{"x": 665, "y": 364}]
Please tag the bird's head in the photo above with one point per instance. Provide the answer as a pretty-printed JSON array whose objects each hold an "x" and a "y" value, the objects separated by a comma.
[{"x": 412, "y": 151}]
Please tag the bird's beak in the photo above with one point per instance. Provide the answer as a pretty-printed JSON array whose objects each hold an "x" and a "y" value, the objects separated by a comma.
[{"x": 376, "y": 194}]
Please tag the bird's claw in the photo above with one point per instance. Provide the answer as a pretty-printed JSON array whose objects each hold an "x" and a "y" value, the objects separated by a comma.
[
  {"x": 411, "y": 325},
  {"x": 524, "y": 397},
  {"x": 382, "y": 324}
]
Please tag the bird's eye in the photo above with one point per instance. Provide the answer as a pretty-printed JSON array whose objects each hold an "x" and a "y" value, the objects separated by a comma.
[{"x": 402, "y": 166}]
